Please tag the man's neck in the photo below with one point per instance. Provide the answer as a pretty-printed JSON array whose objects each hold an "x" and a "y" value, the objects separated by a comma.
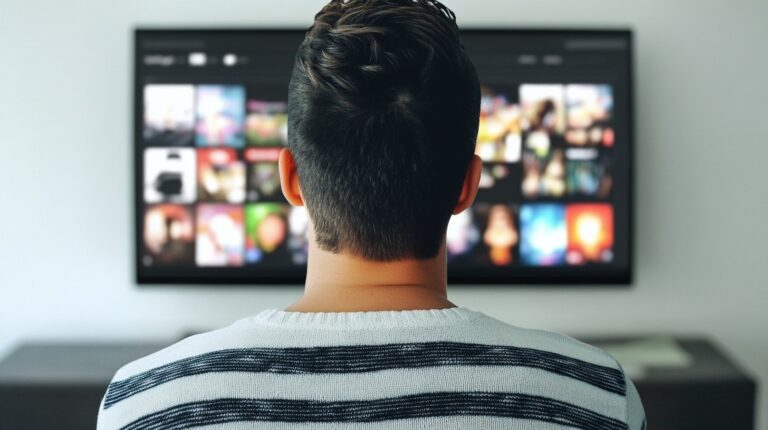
[{"x": 348, "y": 283}]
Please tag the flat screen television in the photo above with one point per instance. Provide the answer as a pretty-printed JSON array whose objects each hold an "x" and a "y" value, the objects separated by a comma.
[{"x": 555, "y": 136}]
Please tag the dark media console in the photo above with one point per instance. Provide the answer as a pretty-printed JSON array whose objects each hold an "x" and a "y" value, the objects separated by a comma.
[
  {"x": 45, "y": 386},
  {"x": 555, "y": 137}
]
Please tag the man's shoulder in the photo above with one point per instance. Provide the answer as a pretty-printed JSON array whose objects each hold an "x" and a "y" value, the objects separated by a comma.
[
  {"x": 546, "y": 341},
  {"x": 123, "y": 402},
  {"x": 192, "y": 346},
  {"x": 579, "y": 362}
]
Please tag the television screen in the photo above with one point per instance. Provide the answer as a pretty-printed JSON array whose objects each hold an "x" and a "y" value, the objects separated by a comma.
[{"x": 555, "y": 137}]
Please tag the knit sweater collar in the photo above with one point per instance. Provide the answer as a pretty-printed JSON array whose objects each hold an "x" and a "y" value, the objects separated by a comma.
[{"x": 362, "y": 320}]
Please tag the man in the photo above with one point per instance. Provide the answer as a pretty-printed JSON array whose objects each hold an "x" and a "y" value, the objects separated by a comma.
[{"x": 383, "y": 116}]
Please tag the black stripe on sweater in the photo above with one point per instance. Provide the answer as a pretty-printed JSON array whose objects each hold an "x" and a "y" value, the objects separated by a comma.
[
  {"x": 366, "y": 358},
  {"x": 442, "y": 404}
]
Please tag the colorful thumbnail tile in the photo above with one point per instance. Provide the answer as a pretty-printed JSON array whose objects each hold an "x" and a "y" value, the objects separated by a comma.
[
  {"x": 267, "y": 123},
  {"x": 169, "y": 115},
  {"x": 169, "y": 235},
  {"x": 276, "y": 234},
  {"x": 220, "y": 236},
  {"x": 220, "y": 176},
  {"x": 590, "y": 108},
  {"x": 462, "y": 234},
  {"x": 543, "y": 234},
  {"x": 543, "y": 107},
  {"x": 590, "y": 233},
  {"x": 263, "y": 175},
  {"x": 544, "y": 176},
  {"x": 266, "y": 233},
  {"x": 500, "y": 234},
  {"x": 220, "y": 115},
  {"x": 498, "y": 135},
  {"x": 588, "y": 104},
  {"x": 588, "y": 173}
]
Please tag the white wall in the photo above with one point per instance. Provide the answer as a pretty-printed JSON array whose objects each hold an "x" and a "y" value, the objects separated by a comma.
[{"x": 65, "y": 171}]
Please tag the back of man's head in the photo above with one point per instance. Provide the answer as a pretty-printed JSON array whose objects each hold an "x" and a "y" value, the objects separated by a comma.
[{"x": 383, "y": 113}]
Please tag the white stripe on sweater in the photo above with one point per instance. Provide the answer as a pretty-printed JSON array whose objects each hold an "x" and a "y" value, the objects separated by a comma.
[{"x": 436, "y": 423}]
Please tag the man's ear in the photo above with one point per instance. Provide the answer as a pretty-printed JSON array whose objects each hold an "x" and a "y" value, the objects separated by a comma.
[
  {"x": 470, "y": 185},
  {"x": 289, "y": 178}
]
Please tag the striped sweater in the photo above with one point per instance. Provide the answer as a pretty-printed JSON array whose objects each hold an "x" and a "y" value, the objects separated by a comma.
[{"x": 437, "y": 369}]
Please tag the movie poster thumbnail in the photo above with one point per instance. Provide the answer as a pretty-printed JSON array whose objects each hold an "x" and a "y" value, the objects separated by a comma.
[
  {"x": 462, "y": 236},
  {"x": 590, "y": 233},
  {"x": 169, "y": 235},
  {"x": 169, "y": 115},
  {"x": 588, "y": 173},
  {"x": 590, "y": 109},
  {"x": 220, "y": 176},
  {"x": 263, "y": 175},
  {"x": 220, "y": 235},
  {"x": 487, "y": 235},
  {"x": 275, "y": 234},
  {"x": 544, "y": 174},
  {"x": 220, "y": 115},
  {"x": 543, "y": 234},
  {"x": 543, "y": 108},
  {"x": 499, "y": 129},
  {"x": 169, "y": 175},
  {"x": 499, "y": 234},
  {"x": 267, "y": 123}
]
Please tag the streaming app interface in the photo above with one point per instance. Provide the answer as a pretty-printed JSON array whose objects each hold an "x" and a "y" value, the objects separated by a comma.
[{"x": 554, "y": 137}]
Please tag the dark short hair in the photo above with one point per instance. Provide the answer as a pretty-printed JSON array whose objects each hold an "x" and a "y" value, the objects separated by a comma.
[{"x": 383, "y": 109}]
